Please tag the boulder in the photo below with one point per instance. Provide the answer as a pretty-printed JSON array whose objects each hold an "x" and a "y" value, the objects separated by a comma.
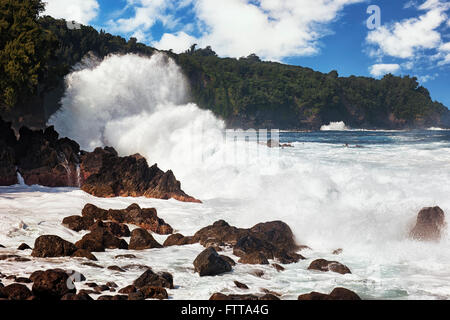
[
  {"x": 177, "y": 239},
  {"x": 272, "y": 239},
  {"x": 430, "y": 225},
  {"x": 24, "y": 246},
  {"x": 151, "y": 292},
  {"x": 149, "y": 278},
  {"x": 141, "y": 240},
  {"x": 15, "y": 291},
  {"x": 99, "y": 240},
  {"x": 105, "y": 174},
  {"x": 253, "y": 258},
  {"x": 52, "y": 285},
  {"x": 117, "y": 229},
  {"x": 48, "y": 246},
  {"x": 336, "y": 294},
  {"x": 209, "y": 263},
  {"x": 78, "y": 223},
  {"x": 128, "y": 289},
  {"x": 145, "y": 218},
  {"x": 242, "y": 297},
  {"x": 82, "y": 296},
  {"x": 82, "y": 253},
  {"x": 325, "y": 265}
]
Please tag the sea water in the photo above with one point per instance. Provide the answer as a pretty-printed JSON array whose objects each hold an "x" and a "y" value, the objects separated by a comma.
[{"x": 363, "y": 200}]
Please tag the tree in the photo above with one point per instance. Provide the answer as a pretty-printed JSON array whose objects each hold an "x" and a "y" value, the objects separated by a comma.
[{"x": 24, "y": 50}]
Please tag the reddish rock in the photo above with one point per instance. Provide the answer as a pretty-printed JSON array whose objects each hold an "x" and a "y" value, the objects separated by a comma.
[
  {"x": 24, "y": 246},
  {"x": 82, "y": 296},
  {"x": 150, "y": 292},
  {"x": 149, "y": 278},
  {"x": 241, "y": 285},
  {"x": 52, "y": 285},
  {"x": 128, "y": 289},
  {"x": 99, "y": 240},
  {"x": 82, "y": 253},
  {"x": 336, "y": 294},
  {"x": 242, "y": 297},
  {"x": 430, "y": 225},
  {"x": 116, "y": 268},
  {"x": 325, "y": 265},
  {"x": 78, "y": 223},
  {"x": 278, "y": 267},
  {"x": 133, "y": 214},
  {"x": 105, "y": 174},
  {"x": 15, "y": 291},
  {"x": 141, "y": 240},
  {"x": 177, "y": 239},
  {"x": 44, "y": 159},
  {"x": 253, "y": 258},
  {"x": 52, "y": 246},
  {"x": 117, "y": 229},
  {"x": 209, "y": 263}
]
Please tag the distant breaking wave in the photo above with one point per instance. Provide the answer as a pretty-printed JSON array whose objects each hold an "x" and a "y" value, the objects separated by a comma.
[{"x": 335, "y": 126}]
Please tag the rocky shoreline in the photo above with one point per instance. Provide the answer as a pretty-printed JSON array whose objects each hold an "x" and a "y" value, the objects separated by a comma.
[
  {"x": 41, "y": 157},
  {"x": 264, "y": 242}
]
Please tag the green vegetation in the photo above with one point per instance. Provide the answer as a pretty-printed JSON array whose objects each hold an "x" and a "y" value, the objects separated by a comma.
[
  {"x": 25, "y": 48},
  {"x": 36, "y": 54}
]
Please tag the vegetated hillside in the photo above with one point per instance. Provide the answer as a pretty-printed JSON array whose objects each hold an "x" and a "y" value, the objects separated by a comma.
[{"x": 246, "y": 92}]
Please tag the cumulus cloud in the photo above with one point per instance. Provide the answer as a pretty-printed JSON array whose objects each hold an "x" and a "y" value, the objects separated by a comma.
[
  {"x": 378, "y": 70},
  {"x": 82, "y": 11},
  {"x": 273, "y": 29}
]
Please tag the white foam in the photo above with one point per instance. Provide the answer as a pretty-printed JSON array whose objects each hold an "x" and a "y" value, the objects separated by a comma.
[
  {"x": 334, "y": 126},
  {"x": 362, "y": 200}
]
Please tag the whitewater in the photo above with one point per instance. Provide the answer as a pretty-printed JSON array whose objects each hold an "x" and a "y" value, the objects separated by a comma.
[{"x": 363, "y": 200}]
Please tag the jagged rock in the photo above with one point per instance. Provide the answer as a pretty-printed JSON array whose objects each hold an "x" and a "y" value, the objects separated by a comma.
[
  {"x": 128, "y": 289},
  {"x": 24, "y": 246},
  {"x": 99, "y": 240},
  {"x": 325, "y": 265},
  {"x": 133, "y": 214},
  {"x": 82, "y": 253},
  {"x": 243, "y": 297},
  {"x": 15, "y": 291},
  {"x": 253, "y": 258},
  {"x": 141, "y": 239},
  {"x": 336, "y": 294},
  {"x": 78, "y": 223},
  {"x": 81, "y": 296},
  {"x": 177, "y": 239},
  {"x": 241, "y": 285},
  {"x": 209, "y": 263},
  {"x": 52, "y": 285},
  {"x": 150, "y": 292},
  {"x": 52, "y": 246},
  {"x": 117, "y": 229},
  {"x": 44, "y": 159},
  {"x": 105, "y": 174},
  {"x": 430, "y": 224},
  {"x": 272, "y": 239},
  {"x": 149, "y": 278}
]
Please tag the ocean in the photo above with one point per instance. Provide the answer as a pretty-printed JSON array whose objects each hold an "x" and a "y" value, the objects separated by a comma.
[{"x": 355, "y": 190}]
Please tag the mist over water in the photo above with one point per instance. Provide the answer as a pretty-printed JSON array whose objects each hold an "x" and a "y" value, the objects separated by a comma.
[{"x": 363, "y": 200}]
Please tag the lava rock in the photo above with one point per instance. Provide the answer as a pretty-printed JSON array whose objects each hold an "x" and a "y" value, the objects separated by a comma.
[
  {"x": 325, "y": 265},
  {"x": 253, "y": 258},
  {"x": 52, "y": 285},
  {"x": 209, "y": 263},
  {"x": 141, "y": 239},
  {"x": 336, "y": 294},
  {"x": 82, "y": 253},
  {"x": 430, "y": 225},
  {"x": 48, "y": 246},
  {"x": 177, "y": 239},
  {"x": 149, "y": 278},
  {"x": 78, "y": 223},
  {"x": 16, "y": 291},
  {"x": 150, "y": 292},
  {"x": 24, "y": 246}
]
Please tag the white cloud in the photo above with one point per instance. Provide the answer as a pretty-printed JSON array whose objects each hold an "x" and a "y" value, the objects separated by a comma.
[
  {"x": 378, "y": 70},
  {"x": 273, "y": 29},
  {"x": 82, "y": 11},
  {"x": 418, "y": 39},
  {"x": 178, "y": 42}
]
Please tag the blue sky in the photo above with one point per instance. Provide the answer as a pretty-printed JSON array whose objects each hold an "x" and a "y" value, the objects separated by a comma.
[{"x": 412, "y": 38}]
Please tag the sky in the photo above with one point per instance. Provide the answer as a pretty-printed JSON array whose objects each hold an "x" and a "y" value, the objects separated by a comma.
[{"x": 355, "y": 37}]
